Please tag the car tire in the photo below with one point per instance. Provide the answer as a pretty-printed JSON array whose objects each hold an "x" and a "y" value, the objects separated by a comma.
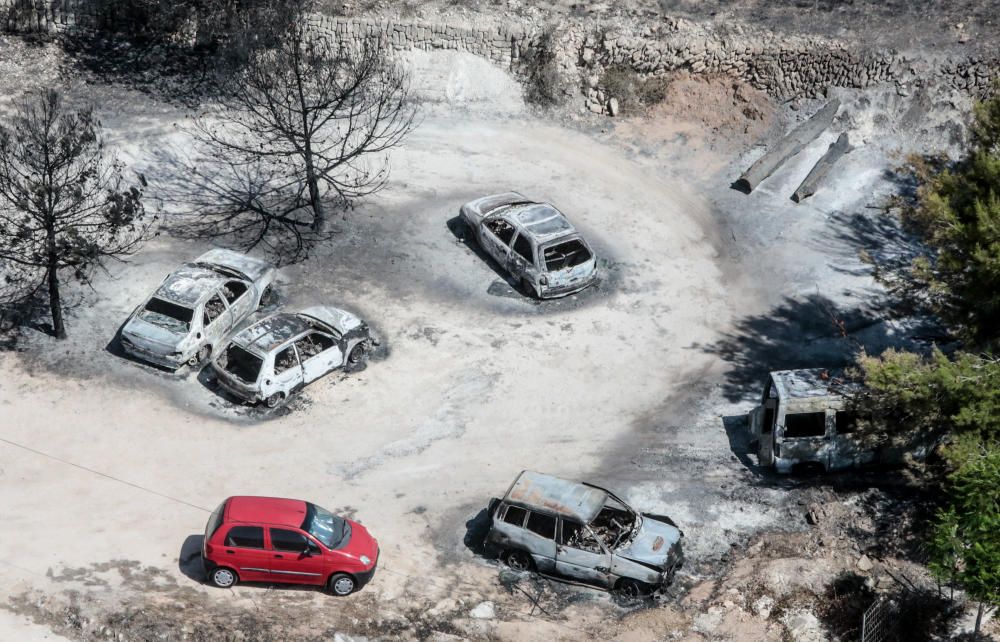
[
  {"x": 341, "y": 584},
  {"x": 223, "y": 577},
  {"x": 274, "y": 400},
  {"x": 519, "y": 560},
  {"x": 200, "y": 357},
  {"x": 357, "y": 354},
  {"x": 631, "y": 589},
  {"x": 266, "y": 297}
]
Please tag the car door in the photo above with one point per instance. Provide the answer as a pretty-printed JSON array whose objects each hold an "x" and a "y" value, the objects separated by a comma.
[
  {"x": 216, "y": 319},
  {"x": 522, "y": 256},
  {"x": 243, "y": 549},
  {"x": 540, "y": 539},
  {"x": 295, "y": 558},
  {"x": 239, "y": 296},
  {"x": 497, "y": 235},
  {"x": 320, "y": 353},
  {"x": 287, "y": 369},
  {"x": 581, "y": 556}
]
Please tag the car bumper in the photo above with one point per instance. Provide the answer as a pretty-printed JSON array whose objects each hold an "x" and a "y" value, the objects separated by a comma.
[
  {"x": 364, "y": 577},
  {"x": 246, "y": 393},
  {"x": 565, "y": 290},
  {"x": 166, "y": 361}
]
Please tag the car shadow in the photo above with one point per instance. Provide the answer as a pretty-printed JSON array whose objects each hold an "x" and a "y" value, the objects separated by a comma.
[
  {"x": 477, "y": 528},
  {"x": 189, "y": 561},
  {"x": 740, "y": 443},
  {"x": 458, "y": 227}
]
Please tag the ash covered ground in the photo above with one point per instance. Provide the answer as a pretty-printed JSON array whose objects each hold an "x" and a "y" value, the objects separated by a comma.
[{"x": 640, "y": 384}]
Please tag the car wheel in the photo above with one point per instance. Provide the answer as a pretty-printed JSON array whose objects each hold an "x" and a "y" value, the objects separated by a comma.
[
  {"x": 200, "y": 357},
  {"x": 342, "y": 584},
  {"x": 520, "y": 561},
  {"x": 266, "y": 297},
  {"x": 223, "y": 577},
  {"x": 275, "y": 400},
  {"x": 358, "y": 353},
  {"x": 631, "y": 589}
]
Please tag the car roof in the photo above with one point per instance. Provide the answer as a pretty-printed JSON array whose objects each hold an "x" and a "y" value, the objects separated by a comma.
[
  {"x": 272, "y": 332},
  {"x": 266, "y": 510},
  {"x": 189, "y": 284},
  {"x": 247, "y": 266},
  {"x": 812, "y": 383},
  {"x": 553, "y": 494},
  {"x": 540, "y": 220}
]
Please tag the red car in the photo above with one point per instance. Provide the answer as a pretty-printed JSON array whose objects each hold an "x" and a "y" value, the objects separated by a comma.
[{"x": 267, "y": 539}]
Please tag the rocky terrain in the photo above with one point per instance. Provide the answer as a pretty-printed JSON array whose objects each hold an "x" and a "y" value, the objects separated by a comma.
[{"x": 634, "y": 118}]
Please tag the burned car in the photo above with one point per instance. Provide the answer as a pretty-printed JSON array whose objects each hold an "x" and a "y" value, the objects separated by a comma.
[
  {"x": 195, "y": 307},
  {"x": 276, "y": 356},
  {"x": 533, "y": 242},
  {"x": 805, "y": 421},
  {"x": 583, "y": 533}
]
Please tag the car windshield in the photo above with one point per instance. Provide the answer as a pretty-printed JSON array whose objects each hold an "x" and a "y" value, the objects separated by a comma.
[
  {"x": 241, "y": 363},
  {"x": 165, "y": 314},
  {"x": 333, "y": 531},
  {"x": 566, "y": 255}
]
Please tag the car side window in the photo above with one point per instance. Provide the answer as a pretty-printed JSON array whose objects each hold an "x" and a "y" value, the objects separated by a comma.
[
  {"x": 233, "y": 290},
  {"x": 523, "y": 248},
  {"x": 312, "y": 344},
  {"x": 574, "y": 535},
  {"x": 285, "y": 359},
  {"x": 245, "y": 537},
  {"x": 213, "y": 309},
  {"x": 502, "y": 229},
  {"x": 515, "y": 515},
  {"x": 285, "y": 540},
  {"x": 542, "y": 525},
  {"x": 805, "y": 424}
]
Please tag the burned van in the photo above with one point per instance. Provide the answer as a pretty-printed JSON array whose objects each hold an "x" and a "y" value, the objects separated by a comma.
[
  {"x": 585, "y": 534},
  {"x": 804, "y": 421}
]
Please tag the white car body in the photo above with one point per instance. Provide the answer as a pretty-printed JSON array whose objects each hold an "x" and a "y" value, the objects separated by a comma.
[
  {"x": 276, "y": 356},
  {"x": 196, "y": 307}
]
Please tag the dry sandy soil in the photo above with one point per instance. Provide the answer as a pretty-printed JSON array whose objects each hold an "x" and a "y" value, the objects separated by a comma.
[{"x": 109, "y": 468}]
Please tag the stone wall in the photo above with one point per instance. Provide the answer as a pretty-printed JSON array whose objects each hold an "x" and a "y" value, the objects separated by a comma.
[{"x": 785, "y": 67}]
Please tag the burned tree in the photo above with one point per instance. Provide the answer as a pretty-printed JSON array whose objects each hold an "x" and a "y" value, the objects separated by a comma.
[
  {"x": 301, "y": 128},
  {"x": 64, "y": 203}
]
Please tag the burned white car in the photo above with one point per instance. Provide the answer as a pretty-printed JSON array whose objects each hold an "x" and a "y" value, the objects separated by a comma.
[
  {"x": 533, "y": 242},
  {"x": 195, "y": 307},
  {"x": 276, "y": 356},
  {"x": 583, "y": 533}
]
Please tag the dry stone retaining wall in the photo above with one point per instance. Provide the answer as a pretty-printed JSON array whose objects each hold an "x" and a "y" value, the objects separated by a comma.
[{"x": 785, "y": 67}]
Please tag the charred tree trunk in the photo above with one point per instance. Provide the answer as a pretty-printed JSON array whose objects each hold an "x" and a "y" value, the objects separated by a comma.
[
  {"x": 979, "y": 619},
  {"x": 55, "y": 303},
  {"x": 787, "y": 147},
  {"x": 822, "y": 167}
]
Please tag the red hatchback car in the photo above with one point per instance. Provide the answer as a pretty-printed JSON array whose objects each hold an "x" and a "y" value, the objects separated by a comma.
[{"x": 266, "y": 539}]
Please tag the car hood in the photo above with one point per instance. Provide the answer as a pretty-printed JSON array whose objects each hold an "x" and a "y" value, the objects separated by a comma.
[
  {"x": 362, "y": 542},
  {"x": 653, "y": 544},
  {"x": 152, "y": 337},
  {"x": 574, "y": 274},
  {"x": 340, "y": 320}
]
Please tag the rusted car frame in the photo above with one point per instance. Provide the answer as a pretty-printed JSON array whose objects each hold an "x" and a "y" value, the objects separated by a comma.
[
  {"x": 533, "y": 242},
  {"x": 583, "y": 533}
]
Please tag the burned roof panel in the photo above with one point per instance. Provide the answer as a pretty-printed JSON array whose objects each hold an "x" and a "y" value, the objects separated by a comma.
[
  {"x": 189, "y": 284},
  {"x": 270, "y": 333},
  {"x": 242, "y": 264},
  {"x": 568, "y": 498},
  {"x": 812, "y": 383},
  {"x": 542, "y": 220}
]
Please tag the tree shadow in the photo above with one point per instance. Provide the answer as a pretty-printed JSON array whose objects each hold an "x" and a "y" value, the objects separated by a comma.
[{"x": 189, "y": 560}]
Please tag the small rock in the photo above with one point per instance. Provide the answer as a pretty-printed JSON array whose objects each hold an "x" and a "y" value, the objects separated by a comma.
[
  {"x": 762, "y": 607},
  {"x": 484, "y": 611},
  {"x": 613, "y": 107},
  {"x": 865, "y": 564}
]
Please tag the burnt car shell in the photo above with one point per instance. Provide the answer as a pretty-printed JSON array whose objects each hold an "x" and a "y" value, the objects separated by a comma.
[{"x": 598, "y": 539}]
